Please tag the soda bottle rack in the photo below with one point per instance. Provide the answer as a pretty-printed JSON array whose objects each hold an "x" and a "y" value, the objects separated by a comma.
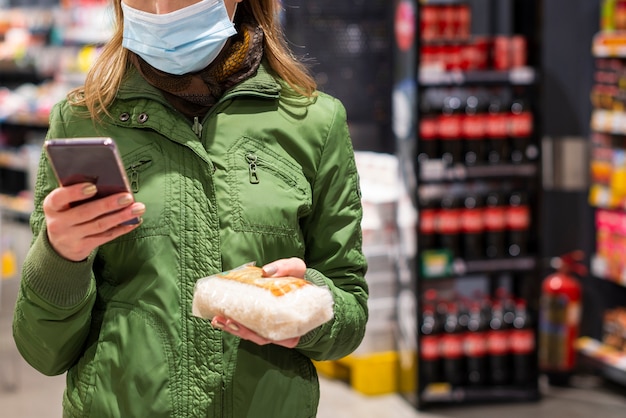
[
  {"x": 444, "y": 393},
  {"x": 439, "y": 171},
  {"x": 437, "y": 264},
  {"x": 476, "y": 344},
  {"x": 477, "y": 182},
  {"x": 521, "y": 76}
]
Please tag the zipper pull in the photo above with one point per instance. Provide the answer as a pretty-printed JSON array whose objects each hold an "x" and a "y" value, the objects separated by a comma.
[
  {"x": 197, "y": 127},
  {"x": 254, "y": 176},
  {"x": 134, "y": 174},
  {"x": 134, "y": 180}
]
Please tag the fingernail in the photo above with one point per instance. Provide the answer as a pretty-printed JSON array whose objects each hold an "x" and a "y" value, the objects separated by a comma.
[
  {"x": 138, "y": 209},
  {"x": 233, "y": 326},
  {"x": 218, "y": 325},
  {"x": 270, "y": 270},
  {"x": 90, "y": 189},
  {"x": 125, "y": 200}
]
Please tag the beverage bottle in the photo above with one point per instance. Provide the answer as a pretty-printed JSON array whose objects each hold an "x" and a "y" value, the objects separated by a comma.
[
  {"x": 518, "y": 220},
  {"x": 430, "y": 330},
  {"x": 473, "y": 132},
  {"x": 523, "y": 346},
  {"x": 452, "y": 348},
  {"x": 428, "y": 214},
  {"x": 463, "y": 309},
  {"x": 450, "y": 131},
  {"x": 428, "y": 146},
  {"x": 429, "y": 23},
  {"x": 495, "y": 225},
  {"x": 508, "y": 306},
  {"x": 473, "y": 227},
  {"x": 448, "y": 22},
  {"x": 497, "y": 133},
  {"x": 475, "y": 345},
  {"x": 520, "y": 130},
  {"x": 449, "y": 225},
  {"x": 498, "y": 346}
]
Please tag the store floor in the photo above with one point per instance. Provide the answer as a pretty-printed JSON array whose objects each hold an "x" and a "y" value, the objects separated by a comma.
[{"x": 24, "y": 393}]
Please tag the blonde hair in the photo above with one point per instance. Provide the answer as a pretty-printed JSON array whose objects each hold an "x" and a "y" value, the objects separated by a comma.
[{"x": 105, "y": 76}]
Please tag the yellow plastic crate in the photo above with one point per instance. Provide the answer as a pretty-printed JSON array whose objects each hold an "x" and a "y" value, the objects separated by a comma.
[{"x": 371, "y": 374}]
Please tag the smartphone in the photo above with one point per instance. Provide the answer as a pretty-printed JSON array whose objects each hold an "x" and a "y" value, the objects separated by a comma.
[{"x": 95, "y": 160}]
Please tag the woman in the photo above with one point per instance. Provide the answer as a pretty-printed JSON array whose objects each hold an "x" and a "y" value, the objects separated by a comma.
[{"x": 233, "y": 157}]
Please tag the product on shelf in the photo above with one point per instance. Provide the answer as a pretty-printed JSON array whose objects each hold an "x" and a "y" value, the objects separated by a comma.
[
  {"x": 518, "y": 223},
  {"x": 449, "y": 45},
  {"x": 523, "y": 346},
  {"x": 475, "y": 345},
  {"x": 614, "y": 328},
  {"x": 473, "y": 227},
  {"x": 495, "y": 225},
  {"x": 476, "y": 341}
]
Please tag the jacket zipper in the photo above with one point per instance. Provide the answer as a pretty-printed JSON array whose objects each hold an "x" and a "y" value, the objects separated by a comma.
[
  {"x": 134, "y": 173},
  {"x": 252, "y": 167},
  {"x": 197, "y": 127}
]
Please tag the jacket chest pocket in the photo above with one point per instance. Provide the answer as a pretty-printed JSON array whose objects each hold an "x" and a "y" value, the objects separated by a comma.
[
  {"x": 269, "y": 193},
  {"x": 146, "y": 170}
]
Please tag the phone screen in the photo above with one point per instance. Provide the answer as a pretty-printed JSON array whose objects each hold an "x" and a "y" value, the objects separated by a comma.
[{"x": 94, "y": 160}]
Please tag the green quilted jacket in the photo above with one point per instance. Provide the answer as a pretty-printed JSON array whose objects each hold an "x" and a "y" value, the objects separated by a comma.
[{"x": 265, "y": 175}]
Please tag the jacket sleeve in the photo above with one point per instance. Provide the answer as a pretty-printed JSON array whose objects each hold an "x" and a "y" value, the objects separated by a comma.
[
  {"x": 334, "y": 246},
  {"x": 53, "y": 308}
]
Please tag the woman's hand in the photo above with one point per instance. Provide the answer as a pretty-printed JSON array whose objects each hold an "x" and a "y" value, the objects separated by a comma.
[
  {"x": 293, "y": 267},
  {"x": 235, "y": 328},
  {"x": 74, "y": 232}
]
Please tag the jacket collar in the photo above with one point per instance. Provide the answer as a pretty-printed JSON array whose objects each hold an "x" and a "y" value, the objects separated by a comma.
[{"x": 262, "y": 84}]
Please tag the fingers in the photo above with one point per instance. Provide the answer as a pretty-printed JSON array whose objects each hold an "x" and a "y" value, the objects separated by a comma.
[
  {"x": 61, "y": 198},
  {"x": 75, "y": 248},
  {"x": 74, "y": 231},
  {"x": 294, "y": 267},
  {"x": 236, "y": 329}
]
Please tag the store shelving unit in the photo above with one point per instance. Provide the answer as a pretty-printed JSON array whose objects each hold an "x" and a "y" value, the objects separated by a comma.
[
  {"x": 469, "y": 146},
  {"x": 607, "y": 197},
  {"x": 46, "y": 52}
]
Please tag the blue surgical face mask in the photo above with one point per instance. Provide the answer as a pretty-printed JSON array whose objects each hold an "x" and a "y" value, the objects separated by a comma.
[{"x": 180, "y": 42}]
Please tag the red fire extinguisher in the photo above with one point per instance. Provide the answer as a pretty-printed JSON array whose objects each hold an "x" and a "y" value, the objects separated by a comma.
[{"x": 559, "y": 318}]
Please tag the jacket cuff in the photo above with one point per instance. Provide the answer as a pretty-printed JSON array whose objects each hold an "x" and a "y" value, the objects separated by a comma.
[
  {"x": 53, "y": 278},
  {"x": 317, "y": 279}
]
